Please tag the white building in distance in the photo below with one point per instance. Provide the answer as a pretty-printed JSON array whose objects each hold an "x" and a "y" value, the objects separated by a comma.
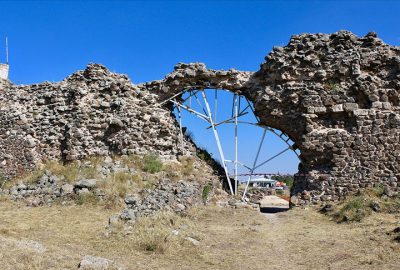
[{"x": 4, "y": 71}]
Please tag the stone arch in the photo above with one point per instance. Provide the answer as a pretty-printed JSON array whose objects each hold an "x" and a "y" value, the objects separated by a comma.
[
  {"x": 193, "y": 102},
  {"x": 196, "y": 76},
  {"x": 334, "y": 95}
]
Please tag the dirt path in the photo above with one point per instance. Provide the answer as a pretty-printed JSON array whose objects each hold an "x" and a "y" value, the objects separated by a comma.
[
  {"x": 273, "y": 201},
  {"x": 227, "y": 239}
]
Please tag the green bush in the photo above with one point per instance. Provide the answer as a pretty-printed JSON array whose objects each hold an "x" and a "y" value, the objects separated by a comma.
[
  {"x": 354, "y": 209},
  {"x": 206, "y": 192},
  {"x": 332, "y": 85},
  {"x": 189, "y": 135},
  {"x": 152, "y": 163},
  {"x": 379, "y": 190},
  {"x": 204, "y": 155},
  {"x": 2, "y": 180}
]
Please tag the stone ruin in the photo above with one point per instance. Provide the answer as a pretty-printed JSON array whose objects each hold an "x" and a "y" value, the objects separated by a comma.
[{"x": 336, "y": 96}]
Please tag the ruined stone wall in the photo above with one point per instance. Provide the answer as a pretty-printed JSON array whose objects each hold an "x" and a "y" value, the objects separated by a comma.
[
  {"x": 92, "y": 112},
  {"x": 337, "y": 97}
]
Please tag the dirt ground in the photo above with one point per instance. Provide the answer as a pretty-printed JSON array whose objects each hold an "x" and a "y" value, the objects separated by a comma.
[{"x": 58, "y": 237}]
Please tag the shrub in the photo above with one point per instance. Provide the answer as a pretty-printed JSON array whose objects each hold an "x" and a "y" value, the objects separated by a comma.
[
  {"x": 172, "y": 170},
  {"x": 117, "y": 185},
  {"x": 379, "y": 190},
  {"x": 206, "y": 192},
  {"x": 69, "y": 171},
  {"x": 204, "y": 155},
  {"x": 392, "y": 206},
  {"x": 187, "y": 165},
  {"x": 332, "y": 85},
  {"x": 354, "y": 209},
  {"x": 152, "y": 233},
  {"x": 152, "y": 163},
  {"x": 189, "y": 135},
  {"x": 3, "y": 180},
  {"x": 132, "y": 161},
  {"x": 88, "y": 172},
  {"x": 87, "y": 198},
  {"x": 122, "y": 177}
]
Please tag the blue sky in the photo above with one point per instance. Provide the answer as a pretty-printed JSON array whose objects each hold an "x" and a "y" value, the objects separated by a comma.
[{"x": 50, "y": 40}]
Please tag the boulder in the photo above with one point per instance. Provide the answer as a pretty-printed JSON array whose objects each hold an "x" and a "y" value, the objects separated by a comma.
[
  {"x": 67, "y": 189},
  {"x": 98, "y": 263},
  {"x": 86, "y": 183},
  {"x": 132, "y": 199}
]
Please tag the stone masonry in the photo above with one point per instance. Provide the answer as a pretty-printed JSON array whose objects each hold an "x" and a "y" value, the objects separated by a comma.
[
  {"x": 336, "y": 96},
  {"x": 92, "y": 112}
]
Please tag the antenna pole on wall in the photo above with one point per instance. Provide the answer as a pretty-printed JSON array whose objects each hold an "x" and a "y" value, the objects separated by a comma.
[{"x": 7, "y": 50}]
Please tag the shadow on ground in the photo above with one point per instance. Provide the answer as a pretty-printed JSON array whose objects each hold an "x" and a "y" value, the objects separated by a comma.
[{"x": 272, "y": 210}]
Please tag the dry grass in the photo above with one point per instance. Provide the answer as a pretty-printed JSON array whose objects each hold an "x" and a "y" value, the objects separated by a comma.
[
  {"x": 154, "y": 233},
  {"x": 184, "y": 169},
  {"x": 147, "y": 171},
  {"x": 187, "y": 165},
  {"x": 69, "y": 173},
  {"x": 229, "y": 239},
  {"x": 356, "y": 208}
]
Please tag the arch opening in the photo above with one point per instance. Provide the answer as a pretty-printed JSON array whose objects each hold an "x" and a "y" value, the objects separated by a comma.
[{"x": 224, "y": 124}]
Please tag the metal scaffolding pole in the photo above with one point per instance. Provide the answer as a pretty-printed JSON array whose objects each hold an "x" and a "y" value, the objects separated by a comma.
[
  {"x": 171, "y": 98},
  {"x": 201, "y": 106},
  {"x": 7, "y": 50},
  {"x": 191, "y": 93},
  {"x": 202, "y": 116},
  {"x": 236, "y": 144},
  {"x": 180, "y": 125},
  {"x": 240, "y": 163},
  {"x": 228, "y": 120},
  {"x": 268, "y": 160},
  {"x": 221, "y": 152},
  {"x": 254, "y": 164},
  {"x": 215, "y": 105}
]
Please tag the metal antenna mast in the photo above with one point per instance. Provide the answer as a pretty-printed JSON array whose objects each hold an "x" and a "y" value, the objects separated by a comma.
[{"x": 7, "y": 50}]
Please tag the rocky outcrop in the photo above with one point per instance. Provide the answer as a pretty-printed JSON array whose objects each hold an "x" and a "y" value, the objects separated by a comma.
[{"x": 336, "y": 96}]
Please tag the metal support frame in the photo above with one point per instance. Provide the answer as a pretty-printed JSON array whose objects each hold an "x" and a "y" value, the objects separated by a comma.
[
  {"x": 202, "y": 116},
  {"x": 7, "y": 50},
  {"x": 211, "y": 118},
  {"x": 236, "y": 143},
  {"x": 216, "y": 136},
  {"x": 180, "y": 126},
  {"x": 254, "y": 163},
  {"x": 215, "y": 105}
]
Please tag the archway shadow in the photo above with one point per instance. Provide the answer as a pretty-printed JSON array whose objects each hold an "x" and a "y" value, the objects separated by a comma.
[{"x": 273, "y": 210}]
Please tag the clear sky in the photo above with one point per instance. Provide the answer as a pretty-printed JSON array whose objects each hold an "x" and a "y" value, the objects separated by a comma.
[{"x": 50, "y": 40}]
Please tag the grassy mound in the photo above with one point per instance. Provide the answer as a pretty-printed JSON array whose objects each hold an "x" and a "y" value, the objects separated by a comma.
[{"x": 363, "y": 204}]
